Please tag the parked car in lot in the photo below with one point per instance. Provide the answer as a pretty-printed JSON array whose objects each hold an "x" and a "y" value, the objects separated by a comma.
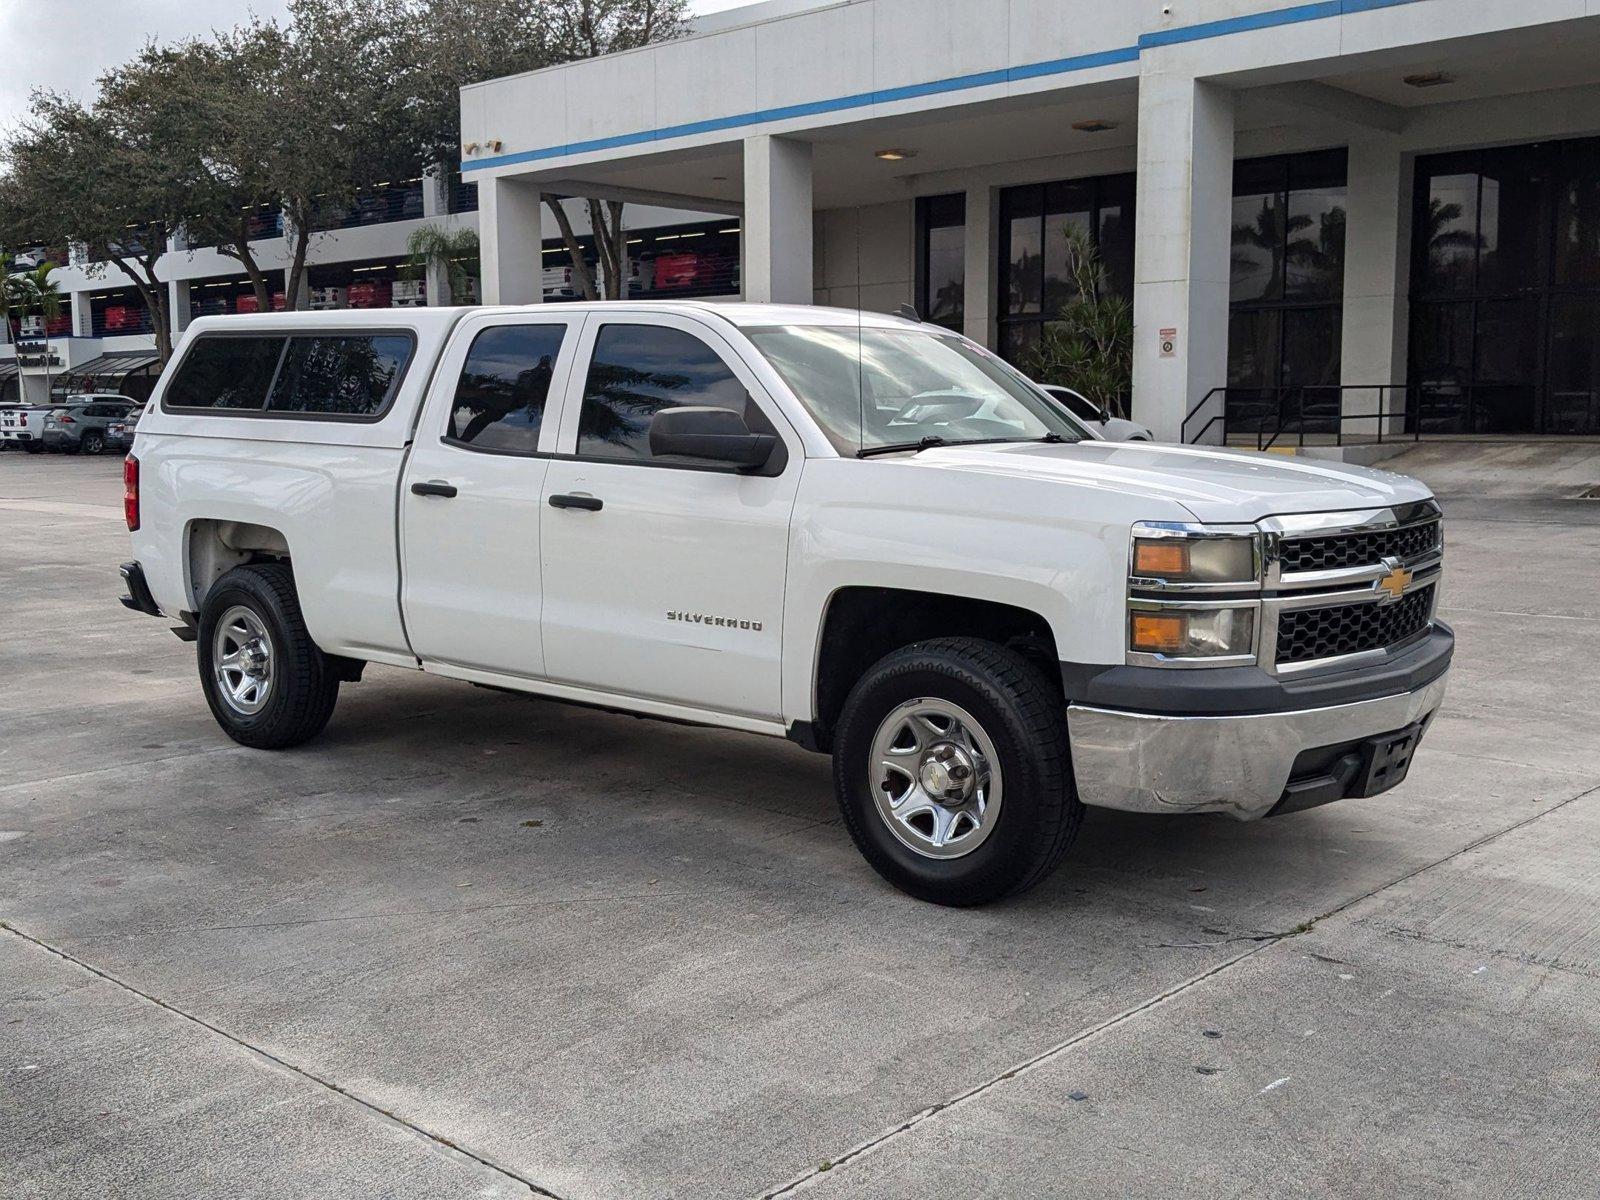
[
  {"x": 22, "y": 426},
  {"x": 79, "y": 426},
  {"x": 1115, "y": 429},
  {"x": 119, "y": 434},
  {"x": 866, "y": 534}
]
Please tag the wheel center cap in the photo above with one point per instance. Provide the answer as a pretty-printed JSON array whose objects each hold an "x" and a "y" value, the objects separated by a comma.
[
  {"x": 255, "y": 659},
  {"x": 946, "y": 773}
]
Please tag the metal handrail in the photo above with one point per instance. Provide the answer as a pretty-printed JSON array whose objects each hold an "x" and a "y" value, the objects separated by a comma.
[{"x": 1287, "y": 414}]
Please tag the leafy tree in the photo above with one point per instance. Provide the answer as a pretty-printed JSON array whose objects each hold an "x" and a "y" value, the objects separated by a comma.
[
  {"x": 456, "y": 42},
  {"x": 192, "y": 85},
  {"x": 98, "y": 177},
  {"x": 1089, "y": 345},
  {"x": 302, "y": 115}
]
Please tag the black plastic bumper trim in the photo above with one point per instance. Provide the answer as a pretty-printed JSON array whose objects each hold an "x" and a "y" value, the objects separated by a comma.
[
  {"x": 138, "y": 598},
  {"x": 1245, "y": 691}
]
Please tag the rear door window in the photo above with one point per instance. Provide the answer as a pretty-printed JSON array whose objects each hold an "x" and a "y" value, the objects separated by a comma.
[
  {"x": 348, "y": 375},
  {"x": 500, "y": 398},
  {"x": 225, "y": 372}
]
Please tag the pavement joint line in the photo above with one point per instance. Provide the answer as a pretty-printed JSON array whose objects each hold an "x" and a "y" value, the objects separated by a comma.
[
  {"x": 377, "y": 1110},
  {"x": 121, "y": 766},
  {"x": 1502, "y": 612},
  {"x": 465, "y": 910},
  {"x": 806, "y": 1178}
]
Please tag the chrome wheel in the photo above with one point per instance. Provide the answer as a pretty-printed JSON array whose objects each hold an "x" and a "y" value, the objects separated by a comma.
[
  {"x": 935, "y": 778},
  {"x": 242, "y": 661}
]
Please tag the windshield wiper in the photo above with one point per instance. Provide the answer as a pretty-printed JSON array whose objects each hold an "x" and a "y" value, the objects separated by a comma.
[
  {"x": 933, "y": 440},
  {"x": 926, "y": 443}
]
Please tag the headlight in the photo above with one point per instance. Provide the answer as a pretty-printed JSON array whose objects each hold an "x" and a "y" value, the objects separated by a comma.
[
  {"x": 1192, "y": 632},
  {"x": 1190, "y": 557}
]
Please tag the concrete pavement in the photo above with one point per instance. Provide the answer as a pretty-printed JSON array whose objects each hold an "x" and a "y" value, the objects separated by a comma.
[{"x": 472, "y": 944}]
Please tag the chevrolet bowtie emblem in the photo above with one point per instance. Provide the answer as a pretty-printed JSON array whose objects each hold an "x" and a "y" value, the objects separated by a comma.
[{"x": 1395, "y": 583}]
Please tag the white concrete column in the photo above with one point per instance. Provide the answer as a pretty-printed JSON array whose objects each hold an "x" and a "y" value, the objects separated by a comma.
[
  {"x": 1377, "y": 255},
  {"x": 777, "y": 221},
  {"x": 511, "y": 241},
  {"x": 435, "y": 192},
  {"x": 981, "y": 292},
  {"x": 1181, "y": 261},
  {"x": 82, "y": 315},
  {"x": 178, "y": 312}
]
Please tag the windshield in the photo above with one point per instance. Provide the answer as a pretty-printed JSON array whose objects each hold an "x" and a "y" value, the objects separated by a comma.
[{"x": 872, "y": 389}]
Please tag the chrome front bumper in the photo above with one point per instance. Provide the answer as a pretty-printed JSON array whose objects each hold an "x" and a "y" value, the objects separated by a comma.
[{"x": 1239, "y": 765}]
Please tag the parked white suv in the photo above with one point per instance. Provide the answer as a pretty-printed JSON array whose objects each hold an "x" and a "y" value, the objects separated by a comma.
[{"x": 865, "y": 534}]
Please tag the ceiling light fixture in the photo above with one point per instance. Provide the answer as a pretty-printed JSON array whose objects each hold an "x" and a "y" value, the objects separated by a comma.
[
  {"x": 893, "y": 155},
  {"x": 1094, "y": 125},
  {"x": 1428, "y": 79}
]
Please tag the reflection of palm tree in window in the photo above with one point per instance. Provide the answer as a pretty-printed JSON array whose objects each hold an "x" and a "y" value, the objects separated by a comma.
[
  {"x": 619, "y": 401},
  {"x": 1443, "y": 238},
  {"x": 947, "y": 301},
  {"x": 1288, "y": 243},
  {"x": 491, "y": 398}
]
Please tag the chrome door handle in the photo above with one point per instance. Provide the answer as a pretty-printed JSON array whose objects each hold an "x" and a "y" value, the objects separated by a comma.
[{"x": 434, "y": 487}]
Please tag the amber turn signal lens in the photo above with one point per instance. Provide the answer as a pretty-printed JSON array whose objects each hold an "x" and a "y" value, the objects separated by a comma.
[
  {"x": 1159, "y": 633},
  {"x": 1161, "y": 558}
]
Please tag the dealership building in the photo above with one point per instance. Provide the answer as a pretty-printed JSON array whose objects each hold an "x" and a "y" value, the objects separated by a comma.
[{"x": 1320, "y": 211}]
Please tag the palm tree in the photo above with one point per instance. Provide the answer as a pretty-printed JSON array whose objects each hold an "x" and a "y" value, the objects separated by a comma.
[
  {"x": 452, "y": 251},
  {"x": 41, "y": 295}
]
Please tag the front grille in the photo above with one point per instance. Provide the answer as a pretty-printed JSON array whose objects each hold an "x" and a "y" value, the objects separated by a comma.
[
  {"x": 1307, "y": 634},
  {"x": 1333, "y": 551}
]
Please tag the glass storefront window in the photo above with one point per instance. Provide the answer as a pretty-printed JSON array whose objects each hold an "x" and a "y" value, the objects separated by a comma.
[
  {"x": 1287, "y": 288},
  {"x": 942, "y": 260},
  {"x": 1035, "y": 281},
  {"x": 1573, "y": 402},
  {"x": 1506, "y": 289},
  {"x": 1577, "y": 216}
]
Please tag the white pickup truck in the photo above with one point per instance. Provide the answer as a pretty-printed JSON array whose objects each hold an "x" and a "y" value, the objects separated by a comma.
[{"x": 865, "y": 534}]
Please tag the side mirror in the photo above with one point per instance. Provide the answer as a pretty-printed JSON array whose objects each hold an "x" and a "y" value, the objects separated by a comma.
[{"x": 713, "y": 434}]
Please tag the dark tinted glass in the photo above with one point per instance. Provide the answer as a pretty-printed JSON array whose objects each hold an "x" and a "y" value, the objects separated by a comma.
[
  {"x": 1573, "y": 401},
  {"x": 349, "y": 375},
  {"x": 1024, "y": 267},
  {"x": 1257, "y": 263},
  {"x": 1512, "y": 233},
  {"x": 225, "y": 372},
  {"x": 1314, "y": 255},
  {"x": 1448, "y": 232},
  {"x": 1578, "y": 215},
  {"x": 943, "y": 270},
  {"x": 500, "y": 397},
  {"x": 636, "y": 371}
]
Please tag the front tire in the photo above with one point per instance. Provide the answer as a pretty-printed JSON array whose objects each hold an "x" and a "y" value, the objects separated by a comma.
[
  {"x": 953, "y": 771},
  {"x": 268, "y": 684}
]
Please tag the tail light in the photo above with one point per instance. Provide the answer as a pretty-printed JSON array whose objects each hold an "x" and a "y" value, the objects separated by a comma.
[
  {"x": 65, "y": 420},
  {"x": 130, "y": 491}
]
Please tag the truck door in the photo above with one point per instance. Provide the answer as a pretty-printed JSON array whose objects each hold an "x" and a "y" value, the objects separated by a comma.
[
  {"x": 664, "y": 580},
  {"x": 470, "y": 499}
]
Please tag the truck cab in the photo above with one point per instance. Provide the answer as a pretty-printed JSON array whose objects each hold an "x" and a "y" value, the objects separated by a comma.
[{"x": 856, "y": 531}]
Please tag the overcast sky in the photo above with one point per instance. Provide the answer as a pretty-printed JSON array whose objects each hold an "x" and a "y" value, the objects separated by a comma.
[{"x": 64, "y": 44}]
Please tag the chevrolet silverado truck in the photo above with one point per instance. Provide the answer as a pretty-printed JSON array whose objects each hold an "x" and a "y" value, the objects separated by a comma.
[{"x": 865, "y": 534}]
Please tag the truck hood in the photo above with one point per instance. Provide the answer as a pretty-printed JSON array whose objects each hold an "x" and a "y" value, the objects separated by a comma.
[{"x": 1215, "y": 485}]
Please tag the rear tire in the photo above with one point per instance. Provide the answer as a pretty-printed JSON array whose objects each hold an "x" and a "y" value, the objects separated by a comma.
[
  {"x": 268, "y": 684},
  {"x": 92, "y": 443},
  {"x": 954, "y": 774}
]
